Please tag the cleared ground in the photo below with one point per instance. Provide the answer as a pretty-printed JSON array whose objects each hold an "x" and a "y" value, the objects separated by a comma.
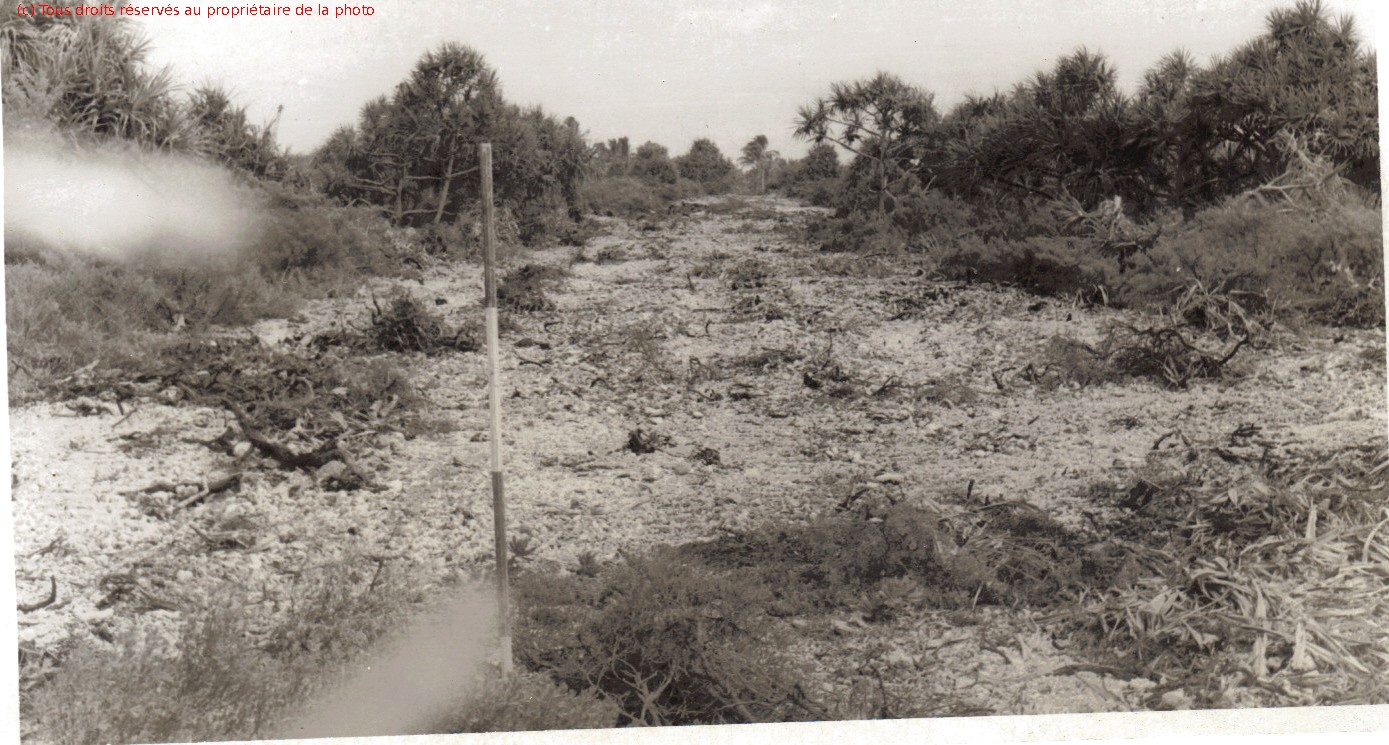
[{"x": 775, "y": 382}]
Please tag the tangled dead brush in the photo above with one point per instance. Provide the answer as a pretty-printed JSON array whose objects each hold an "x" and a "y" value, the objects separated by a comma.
[
  {"x": 1309, "y": 182},
  {"x": 1272, "y": 589},
  {"x": 1113, "y": 233},
  {"x": 403, "y": 325},
  {"x": 524, "y": 290},
  {"x": 1193, "y": 338},
  {"x": 671, "y": 643},
  {"x": 406, "y": 326}
]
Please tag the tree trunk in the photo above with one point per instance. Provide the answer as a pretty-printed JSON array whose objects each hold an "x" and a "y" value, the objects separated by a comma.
[
  {"x": 400, "y": 195},
  {"x": 444, "y": 189},
  {"x": 882, "y": 187}
]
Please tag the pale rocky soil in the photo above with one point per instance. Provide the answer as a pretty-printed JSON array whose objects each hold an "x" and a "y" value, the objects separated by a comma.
[{"x": 644, "y": 338}]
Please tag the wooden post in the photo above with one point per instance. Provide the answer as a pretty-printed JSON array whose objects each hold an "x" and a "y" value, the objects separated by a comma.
[{"x": 489, "y": 283}]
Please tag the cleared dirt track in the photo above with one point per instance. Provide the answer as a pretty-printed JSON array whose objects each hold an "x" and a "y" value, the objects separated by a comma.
[{"x": 771, "y": 382}]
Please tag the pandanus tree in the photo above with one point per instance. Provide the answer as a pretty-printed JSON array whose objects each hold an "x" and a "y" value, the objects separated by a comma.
[
  {"x": 1065, "y": 133},
  {"x": 410, "y": 152},
  {"x": 450, "y": 98},
  {"x": 882, "y": 120},
  {"x": 1307, "y": 76},
  {"x": 230, "y": 138},
  {"x": 90, "y": 77},
  {"x": 759, "y": 158}
]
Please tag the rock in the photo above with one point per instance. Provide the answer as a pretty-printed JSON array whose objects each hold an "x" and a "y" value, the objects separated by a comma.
[
  {"x": 94, "y": 615},
  {"x": 240, "y": 449},
  {"x": 650, "y": 473},
  {"x": 841, "y": 628},
  {"x": 333, "y": 469},
  {"x": 649, "y": 411},
  {"x": 1176, "y": 700},
  {"x": 899, "y": 658},
  {"x": 680, "y": 468},
  {"x": 891, "y": 477},
  {"x": 171, "y": 394}
]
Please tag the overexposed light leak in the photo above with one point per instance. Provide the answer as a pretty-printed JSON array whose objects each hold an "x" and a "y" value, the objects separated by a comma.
[
  {"x": 118, "y": 202},
  {"x": 417, "y": 676}
]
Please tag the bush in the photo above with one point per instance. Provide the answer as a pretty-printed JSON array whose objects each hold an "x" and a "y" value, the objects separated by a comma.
[
  {"x": 630, "y": 197},
  {"x": 524, "y": 289},
  {"x": 68, "y": 311},
  {"x": 307, "y": 237},
  {"x": 621, "y": 196},
  {"x": 705, "y": 165},
  {"x": 1050, "y": 266},
  {"x": 221, "y": 675},
  {"x": 526, "y": 702},
  {"x": 1327, "y": 264},
  {"x": 670, "y": 642},
  {"x": 819, "y": 192},
  {"x": 405, "y": 325},
  {"x": 862, "y": 232}
]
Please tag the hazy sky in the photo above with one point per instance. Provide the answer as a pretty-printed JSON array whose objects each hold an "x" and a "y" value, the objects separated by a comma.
[{"x": 675, "y": 71}]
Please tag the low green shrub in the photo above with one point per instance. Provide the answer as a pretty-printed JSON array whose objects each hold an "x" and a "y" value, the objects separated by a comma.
[
  {"x": 1326, "y": 264},
  {"x": 526, "y": 702},
  {"x": 65, "y": 312},
  {"x": 621, "y": 196},
  {"x": 860, "y": 232},
  {"x": 819, "y": 192},
  {"x": 1049, "y": 266},
  {"x": 669, "y": 641},
  {"x": 223, "y": 674},
  {"x": 406, "y": 325},
  {"x": 634, "y": 197}
]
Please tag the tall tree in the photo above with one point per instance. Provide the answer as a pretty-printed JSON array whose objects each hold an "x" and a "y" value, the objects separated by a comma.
[
  {"x": 704, "y": 163},
  {"x": 1309, "y": 76},
  {"x": 758, "y": 157},
  {"x": 451, "y": 97},
  {"x": 881, "y": 120},
  {"x": 652, "y": 161}
]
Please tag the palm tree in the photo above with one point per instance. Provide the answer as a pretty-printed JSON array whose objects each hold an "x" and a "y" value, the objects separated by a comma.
[{"x": 757, "y": 156}]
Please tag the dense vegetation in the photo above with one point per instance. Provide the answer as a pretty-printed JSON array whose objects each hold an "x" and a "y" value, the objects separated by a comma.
[{"x": 1258, "y": 173}]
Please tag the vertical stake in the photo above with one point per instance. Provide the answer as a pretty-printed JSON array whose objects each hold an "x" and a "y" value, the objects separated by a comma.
[{"x": 489, "y": 282}]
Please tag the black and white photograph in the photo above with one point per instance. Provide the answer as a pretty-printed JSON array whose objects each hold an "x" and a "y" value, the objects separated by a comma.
[{"x": 439, "y": 367}]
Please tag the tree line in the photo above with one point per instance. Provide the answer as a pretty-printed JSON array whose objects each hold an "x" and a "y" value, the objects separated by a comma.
[{"x": 1190, "y": 135}]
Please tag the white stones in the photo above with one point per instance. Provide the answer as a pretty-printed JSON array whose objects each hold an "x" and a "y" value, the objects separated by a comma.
[
  {"x": 899, "y": 658},
  {"x": 333, "y": 469},
  {"x": 1176, "y": 700}
]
